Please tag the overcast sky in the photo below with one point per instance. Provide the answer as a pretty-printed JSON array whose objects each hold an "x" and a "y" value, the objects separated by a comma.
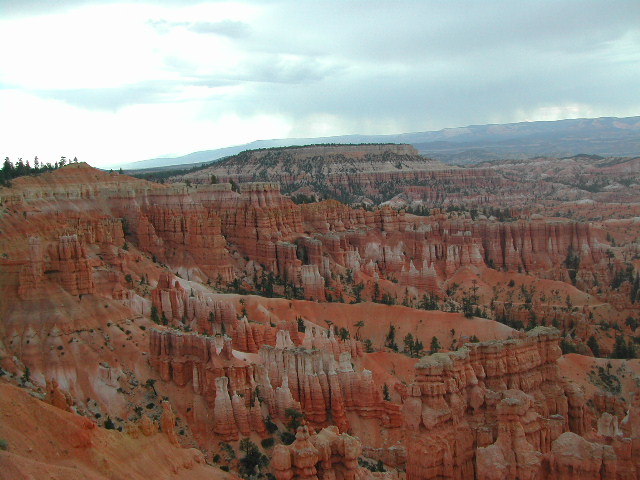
[{"x": 114, "y": 82}]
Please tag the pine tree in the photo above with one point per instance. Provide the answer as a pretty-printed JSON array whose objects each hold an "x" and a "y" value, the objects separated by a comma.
[
  {"x": 435, "y": 345},
  {"x": 343, "y": 333},
  {"x": 409, "y": 344},
  {"x": 385, "y": 393},
  {"x": 620, "y": 348},
  {"x": 592, "y": 343},
  {"x": 572, "y": 263},
  {"x": 301, "y": 326},
  {"x": 418, "y": 347},
  {"x": 391, "y": 339},
  {"x": 155, "y": 317}
]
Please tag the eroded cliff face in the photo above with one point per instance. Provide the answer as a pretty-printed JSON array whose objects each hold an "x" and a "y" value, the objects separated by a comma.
[
  {"x": 43, "y": 440},
  {"x": 115, "y": 293},
  {"x": 326, "y": 454},
  {"x": 196, "y": 232},
  {"x": 500, "y": 410},
  {"x": 316, "y": 378}
]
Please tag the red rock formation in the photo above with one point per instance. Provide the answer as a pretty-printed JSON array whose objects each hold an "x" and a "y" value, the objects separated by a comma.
[
  {"x": 257, "y": 219},
  {"x": 326, "y": 454},
  {"x": 70, "y": 267},
  {"x": 289, "y": 377},
  {"x": 31, "y": 273},
  {"x": 511, "y": 456},
  {"x": 631, "y": 423},
  {"x": 201, "y": 310},
  {"x": 189, "y": 357},
  {"x": 471, "y": 380},
  {"x": 224, "y": 421},
  {"x": 572, "y": 457},
  {"x": 168, "y": 422},
  {"x": 326, "y": 341},
  {"x": 147, "y": 427},
  {"x": 312, "y": 282},
  {"x": 538, "y": 246},
  {"x": 324, "y": 387},
  {"x": 57, "y": 397},
  {"x": 65, "y": 300},
  {"x": 248, "y": 337},
  {"x": 71, "y": 446},
  {"x": 240, "y": 414},
  {"x": 503, "y": 402},
  {"x": 174, "y": 225},
  {"x": 425, "y": 279}
]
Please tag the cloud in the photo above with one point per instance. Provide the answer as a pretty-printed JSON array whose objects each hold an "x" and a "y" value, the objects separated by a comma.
[
  {"x": 113, "y": 98},
  {"x": 227, "y": 28},
  {"x": 319, "y": 68}
]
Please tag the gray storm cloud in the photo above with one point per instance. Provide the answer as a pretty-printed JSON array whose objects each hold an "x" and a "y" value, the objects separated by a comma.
[{"x": 406, "y": 66}]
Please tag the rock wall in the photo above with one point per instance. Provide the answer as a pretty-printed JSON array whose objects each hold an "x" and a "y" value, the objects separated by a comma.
[
  {"x": 498, "y": 410},
  {"x": 196, "y": 228},
  {"x": 175, "y": 225},
  {"x": 320, "y": 383},
  {"x": 326, "y": 454},
  {"x": 258, "y": 218},
  {"x": 468, "y": 399},
  {"x": 66, "y": 264}
]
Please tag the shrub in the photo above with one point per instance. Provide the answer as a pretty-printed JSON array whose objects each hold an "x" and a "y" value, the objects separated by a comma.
[
  {"x": 592, "y": 343},
  {"x": 271, "y": 427},
  {"x": 26, "y": 375},
  {"x": 287, "y": 437},
  {"x": 109, "y": 425},
  {"x": 155, "y": 317},
  {"x": 267, "y": 442},
  {"x": 295, "y": 418},
  {"x": 253, "y": 460}
]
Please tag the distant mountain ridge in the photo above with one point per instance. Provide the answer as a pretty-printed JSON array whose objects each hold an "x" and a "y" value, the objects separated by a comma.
[{"x": 607, "y": 136}]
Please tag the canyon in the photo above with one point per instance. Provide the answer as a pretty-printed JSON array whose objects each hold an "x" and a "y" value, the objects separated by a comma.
[{"x": 458, "y": 328}]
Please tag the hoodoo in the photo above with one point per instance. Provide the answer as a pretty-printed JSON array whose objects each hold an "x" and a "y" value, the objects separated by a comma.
[{"x": 419, "y": 336}]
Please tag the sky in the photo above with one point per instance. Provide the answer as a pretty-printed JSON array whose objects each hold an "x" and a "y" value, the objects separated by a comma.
[{"x": 116, "y": 82}]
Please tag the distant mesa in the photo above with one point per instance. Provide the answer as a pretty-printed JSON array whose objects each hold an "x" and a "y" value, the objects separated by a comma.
[{"x": 608, "y": 136}]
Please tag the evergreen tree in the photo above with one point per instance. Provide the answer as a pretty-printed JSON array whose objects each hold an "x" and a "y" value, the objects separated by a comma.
[
  {"x": 620, "y": 348},
  {"x": 109, "y": 425},
  {"x": 155, "y": 317},
  {"x": 368, "y": 345},
  {"x": 385, "y": 393},
  {"x": 391, "y": 338},
  {"x": 592, "y": 343},
  {"x": 26, "y": 375},
  {"x": 252, "y": 461},
  {"x": 376, "y": 292},
  {"x": 295, "y": 418},
  {"x": 435, "y": 345},
  {"x": 358, "y": 326},
  {"x": 418, "y": 347},
  {"x": 343, "y": 333},
  {"x": 572, "y": 263},
  {"x": 409, "y": 344},
  {"x": 301, "y": 326}
]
